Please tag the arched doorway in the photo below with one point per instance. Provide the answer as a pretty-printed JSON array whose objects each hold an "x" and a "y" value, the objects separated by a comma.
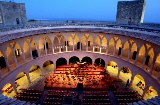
[
  {"x": 18, "y": 54},
  {"x": 112, "y": 68},
  {"x": 3, "y": 66},
  {"x": 138, "y": 84},
  {"x": 150, "y": 93},
  {"x": 8, "y": 90},
  {"x": 34, "y": 72},
  {"x": 87, "y": 60},
  {"x": 10, "y": 54},
  {"x": 79, "y": 46},
  {"x": 73, "y": 60},
  {"x": 125, "y": 74},
  {"x": 99, "y": 62},
  {"x": 17, "y": 20},
  {"x": 21, "y": 81},
  {"x": 48, "y": 66},
  {"x": 60, "y": 62},
  {"x": 26, "y": 50}
]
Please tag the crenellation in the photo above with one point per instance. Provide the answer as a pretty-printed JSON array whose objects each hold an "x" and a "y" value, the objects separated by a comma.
[
  {"x": 12, "y": 13},
  {"x": 130, "y": 12}
]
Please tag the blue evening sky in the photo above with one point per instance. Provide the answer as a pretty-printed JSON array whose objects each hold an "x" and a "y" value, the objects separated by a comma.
[{"x": 84, "y": 9}]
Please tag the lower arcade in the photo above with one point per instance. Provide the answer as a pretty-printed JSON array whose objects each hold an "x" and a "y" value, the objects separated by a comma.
[{"x": 78, "y": 83}]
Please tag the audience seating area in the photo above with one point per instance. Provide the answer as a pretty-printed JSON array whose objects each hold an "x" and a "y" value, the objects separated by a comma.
[
  {"x": 9, "y": 101},
  {"x": 55, "y": 97},
  {"x": 126, "y": 97},
  {"x": 96, "y": 98},
  {"x": 153, "y": 101},
  {"x": 30, "y": 95}
]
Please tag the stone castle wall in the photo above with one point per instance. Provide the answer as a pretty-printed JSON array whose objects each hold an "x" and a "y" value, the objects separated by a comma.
[
  {"x": 12, "y": 13},
  {"x": 130, "y": 12}
]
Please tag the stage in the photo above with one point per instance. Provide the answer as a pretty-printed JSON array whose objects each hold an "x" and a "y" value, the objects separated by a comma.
[{"x": 89, "y": 76}]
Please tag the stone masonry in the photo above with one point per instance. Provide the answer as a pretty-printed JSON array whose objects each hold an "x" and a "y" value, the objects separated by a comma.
[
  {"x": 12, "y": 13},
  {"x": 130, "y": 12}
]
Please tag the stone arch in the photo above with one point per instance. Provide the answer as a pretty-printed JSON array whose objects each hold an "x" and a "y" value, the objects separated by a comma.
[
  {"x": 125, "y": 74},
  {"x": 149, "y": 59},
  {"x": 60, "y": 62},
  {"x": 111, "y": 46},
  {"x": 156, "y": 67},
  {"x": 26, "y": 49},
  {"x": 133, "y": 52},
  {"x": 77, "y": 42},
  {"x": 42, "y": 46},
  {"x": 90, "y": 43},
  {"x": 84, "y": 42},
  {"x": 97, "y": 43},
  {"x": 100, "y": 62},
  {"x": 70, "y": 43},
  {"x": 8, "y": 90},
  {"x": 74, "y": 59},
  {"x": 18, "y": 54},
  {"x": 87, "y": 60},
  {"x": 118, "y": 47},
  {"x": 3, "y": 66},
  {"x": 138, "y": 84},
  {"x": 141, "y": 56},
  {"x": 56, "y": 44},
  {"x": 150, "y": 93},
  {"x": 48, "y": 66},
  {"x": 11, "y": 62},
  {"x": 112, "y": 68},
  {"x": 21, "y": 81},
  {"x": 34, "y": 49},
  {"x": 34, "y": 72},
  {"x": 125, "y": 51},
  {"x": 62, "y": 43},
  {"x": 49, "y": 45},
  {"x": 104, "y": 45}
]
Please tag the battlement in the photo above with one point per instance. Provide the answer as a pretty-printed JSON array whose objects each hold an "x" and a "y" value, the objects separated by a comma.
[
  {"x": 130, "y": 12},
  {"x": 12, "y": 13}
]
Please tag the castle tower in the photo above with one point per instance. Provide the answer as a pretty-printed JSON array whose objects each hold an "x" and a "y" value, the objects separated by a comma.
[
  {"x": 12, "y": 13},
  {"x": 130, "y": 12}
]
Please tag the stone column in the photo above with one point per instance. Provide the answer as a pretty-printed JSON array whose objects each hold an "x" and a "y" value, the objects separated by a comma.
[
  {"x": 41, "y": 70},
  {"x": 144, "y": 62},
  {"x": 106, "y": 50},
  {"x": 93, "y": 48},
  {"x": 59, "y": 48},
  {"x": 54, "y": 67},
  {"x": 28, "y": 77},
  {"x": 14, "y": 88},
  {"x": 23, "y": 55},
  {"x": 128, "y": 55},
  {"x": 158, "y": 76},
  {"x": 100, "y": 49},
  {"x": 130, "y": 83},
  {"x": 144, "y": 91},
  {"x": 15, "y": 58},
  {"x": 6, "y": 60},
  {"x": 45, "y": 48},
  {"x": 73, "y": 46},
  {"x": 30, "y": 52},
  {"x": 135, "y": 62},
  {"x": 87, "y": 45},
  {"x": 152, "y": 65},
  {"x": 119, "y": 72},
  {"x": 121, "y": 53},
  {"x": 114, "y": 52},
  {"x": 80, "y": 46}
]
